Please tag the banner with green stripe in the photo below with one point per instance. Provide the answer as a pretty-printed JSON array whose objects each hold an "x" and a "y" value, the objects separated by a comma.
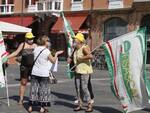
[
  {"x": 126, "y": 59},
  {"x": 69, "y": 37},
  {"x": 3, "y": 59}
]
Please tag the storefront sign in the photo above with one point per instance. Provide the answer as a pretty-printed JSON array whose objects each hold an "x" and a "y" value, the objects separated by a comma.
[
  {"x": 115, "y": 4},
  {"x": 76, "y": 7},
  {"x": 31, "y": 8}
]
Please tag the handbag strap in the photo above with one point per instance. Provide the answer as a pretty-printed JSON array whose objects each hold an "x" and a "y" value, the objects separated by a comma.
[
  {"x": 38, "y": 56},
  {"x": 22, "y": 48}
]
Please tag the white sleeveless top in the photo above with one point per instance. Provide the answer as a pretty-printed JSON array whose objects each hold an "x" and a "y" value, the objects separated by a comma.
[{"x": 42, "y": 66}]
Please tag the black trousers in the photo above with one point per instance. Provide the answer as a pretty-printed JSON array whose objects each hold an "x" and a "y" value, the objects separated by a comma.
[{"x": 90, "y": 88}]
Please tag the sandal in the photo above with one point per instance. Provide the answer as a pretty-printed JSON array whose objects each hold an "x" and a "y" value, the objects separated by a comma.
[
  {"x": 79, "y": 108},
  {"x": 30, "y": 109},
  {"x": 46, "y": 109},
  {"x": 89, "y": 108},
  {"x": 20, "y": 102},
  {"x": 42, "y": 110}
]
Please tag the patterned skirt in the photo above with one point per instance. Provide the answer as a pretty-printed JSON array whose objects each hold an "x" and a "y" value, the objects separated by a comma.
[{"x": 40, "y": 93}]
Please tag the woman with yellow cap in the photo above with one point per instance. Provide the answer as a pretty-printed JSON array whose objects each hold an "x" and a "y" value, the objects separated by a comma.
[
  {"x": 81, "y": 57},
  {"x": 26, "y": 48}
]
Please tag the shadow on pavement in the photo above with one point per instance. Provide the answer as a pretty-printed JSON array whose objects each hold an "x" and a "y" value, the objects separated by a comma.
[
  {"x": 106, "y": 109},
  {"x": 146, "y": 109},
  {"x": 25, "y": 103},
  {"x": 35, "y": 108},
  {"x": 26, "y": 106},
  {"x": 63, "y": 96},
  {"x": 16, "y": 98},
  {"x": 64, "y": 103}
]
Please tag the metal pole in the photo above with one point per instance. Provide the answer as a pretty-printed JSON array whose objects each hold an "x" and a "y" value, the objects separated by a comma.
[
  {"x": 6, "y": 83},
  {"x": 90, "y": 26},
  {"x": 7, "y": 93},
  {"x": 22, "y": 12}
]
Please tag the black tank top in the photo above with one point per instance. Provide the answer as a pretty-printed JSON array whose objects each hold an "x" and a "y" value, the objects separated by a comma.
[{"x": 27, "y": 57}]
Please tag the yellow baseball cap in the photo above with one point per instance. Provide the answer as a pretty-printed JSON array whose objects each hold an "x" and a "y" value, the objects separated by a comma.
[
  {"x": 29, "y": 35},
  {"x": 80, "y": 37}
]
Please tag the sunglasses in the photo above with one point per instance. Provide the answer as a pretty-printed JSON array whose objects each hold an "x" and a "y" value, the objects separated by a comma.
[
  {"x": 47, "y": 40},
  {"x": 30, "y": 39}
]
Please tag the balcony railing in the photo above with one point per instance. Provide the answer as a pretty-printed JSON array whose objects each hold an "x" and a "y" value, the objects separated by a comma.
[
  {"x": 47, "y": 5},
  {"x": 7, "y": 9}
]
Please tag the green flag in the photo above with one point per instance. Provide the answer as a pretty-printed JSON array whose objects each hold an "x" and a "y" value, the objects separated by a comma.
[{"x": 69, "y": 35}]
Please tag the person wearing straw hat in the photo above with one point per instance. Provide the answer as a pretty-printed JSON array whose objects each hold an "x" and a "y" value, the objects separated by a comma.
[
  {"x": 82, "y": 59},
  {"x": 25, "y": 49}
]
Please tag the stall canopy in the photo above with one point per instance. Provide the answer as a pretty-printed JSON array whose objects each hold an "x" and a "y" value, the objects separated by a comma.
[
  {"x": 25, "y": 21},
  {"x": 12, "y": 28},
  {"x": 75, "y": 21}
]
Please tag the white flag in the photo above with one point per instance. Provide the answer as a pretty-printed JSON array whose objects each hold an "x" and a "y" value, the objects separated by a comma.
[
  {"x": 126, "y": 59},
  {"x": 2, "y": 79},
  {"x": 3, "y": 59}
]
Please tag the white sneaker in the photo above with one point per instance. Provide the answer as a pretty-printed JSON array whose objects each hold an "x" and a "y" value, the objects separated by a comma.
[{"x": 76, "y": 101}]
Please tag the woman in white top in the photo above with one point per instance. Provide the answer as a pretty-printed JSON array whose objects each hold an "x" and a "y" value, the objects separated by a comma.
[{"x": 40, "y": 91}]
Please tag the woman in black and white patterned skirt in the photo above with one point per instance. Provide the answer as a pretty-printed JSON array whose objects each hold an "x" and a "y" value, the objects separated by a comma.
[{"x": 40, "y": 93}]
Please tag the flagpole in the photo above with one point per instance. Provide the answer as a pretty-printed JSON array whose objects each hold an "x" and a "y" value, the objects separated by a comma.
[
  {"x": 90, "y": 53},
  {"x": 90, "y": 25},
  {"x": 7, "y": 93},
  {"x": 3, "y": 58}
]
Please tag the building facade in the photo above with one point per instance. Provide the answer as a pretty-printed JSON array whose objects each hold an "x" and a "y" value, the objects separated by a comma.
[
  {"x": 115, "y": 21},
  {"x": 29, "y": 6},
  {"x": 108, "y": 19}
]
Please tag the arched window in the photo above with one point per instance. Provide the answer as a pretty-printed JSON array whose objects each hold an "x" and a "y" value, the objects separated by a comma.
[
  {"x": 145, "y": 22},
  {"x": 114, "y": 27}
]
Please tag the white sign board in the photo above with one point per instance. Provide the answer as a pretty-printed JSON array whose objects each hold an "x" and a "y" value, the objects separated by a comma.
[
  {"x": 115, "y": 4},
  {"x": 76, "y": 7},
  {"x": 32, "y": 8}
]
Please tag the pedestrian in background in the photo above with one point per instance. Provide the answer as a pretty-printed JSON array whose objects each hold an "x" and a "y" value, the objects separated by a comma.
[
  {"x": 40, "y": 94},
  {"x": 26, "y": 49},
  {"x": 83, "y": 70}
]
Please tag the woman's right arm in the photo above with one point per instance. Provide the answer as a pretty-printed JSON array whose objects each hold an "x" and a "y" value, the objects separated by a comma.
[
  {"x": 53, "y": 59},
  {"x": 15, "y": 53}
]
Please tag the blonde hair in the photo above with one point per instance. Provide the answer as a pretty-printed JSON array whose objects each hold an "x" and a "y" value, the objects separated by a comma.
[{"x": 42, "y": 40}]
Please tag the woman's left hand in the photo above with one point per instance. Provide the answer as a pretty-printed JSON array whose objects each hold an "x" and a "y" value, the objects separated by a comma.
[
  {"x": 59, "y": 52},
  {"x": 79, "y": 59}
]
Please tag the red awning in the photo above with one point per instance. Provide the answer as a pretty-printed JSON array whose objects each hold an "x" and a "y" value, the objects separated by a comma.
[
  {"x": 18, "y": 20},
  {"x": 75, "y": 21}
]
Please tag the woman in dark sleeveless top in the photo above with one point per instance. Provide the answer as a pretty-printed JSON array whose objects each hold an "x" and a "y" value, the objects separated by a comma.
[
  {"x": 25, "y": 49},
  {"x": 26, "y": 62}
]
